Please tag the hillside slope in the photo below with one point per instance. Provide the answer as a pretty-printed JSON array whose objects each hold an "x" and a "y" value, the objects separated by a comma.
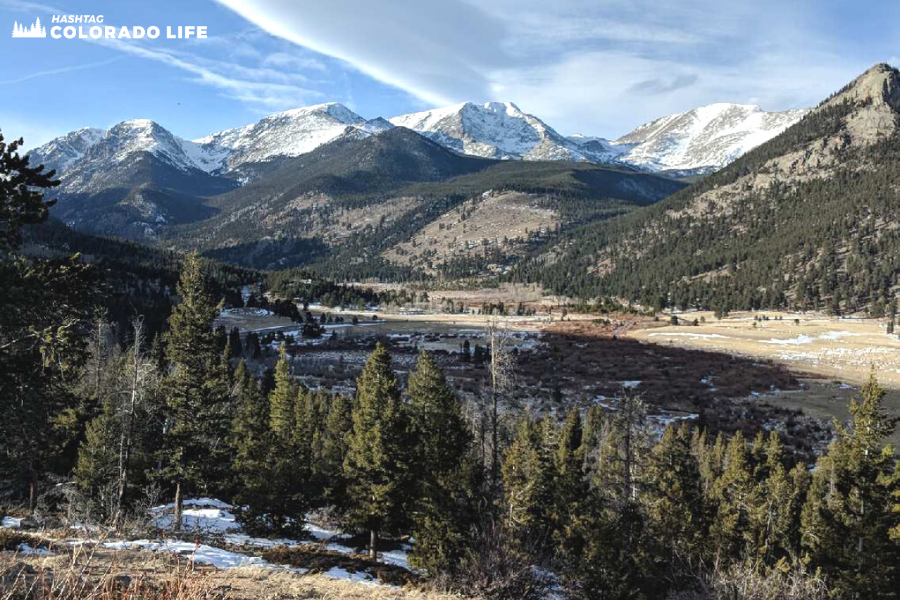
[
  {"x": 346, "y": 204},
  {"x": 806, "y": 220}
]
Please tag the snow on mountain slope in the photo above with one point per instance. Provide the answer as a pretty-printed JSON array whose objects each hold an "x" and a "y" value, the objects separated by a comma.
[
  {"x": 596, "y": 146},
  {"x": 59, "y": 154},
  {"x": 703, "y": 139},
  {"x": 290, "y": 133},
  {"x": 496, "y": 130},
  {"x": 121, "y": 146},
  {"x": 284, "y": 134},
  {"x": 699, "y": 140}
]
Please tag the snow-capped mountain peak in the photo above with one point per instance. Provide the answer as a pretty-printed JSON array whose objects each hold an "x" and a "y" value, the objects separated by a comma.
[
  {"x": 705, "y": 138},
  {"x": 61, "y": 153},
  {"x": 494, "y": 130},
  {"x": 289, "y": 133},
  {"x": 142, "y": 135},
  {"x": 699, "y": 140}
]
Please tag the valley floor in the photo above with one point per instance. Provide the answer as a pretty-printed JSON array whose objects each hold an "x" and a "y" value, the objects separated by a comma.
[{"x": 831, "y": 356}]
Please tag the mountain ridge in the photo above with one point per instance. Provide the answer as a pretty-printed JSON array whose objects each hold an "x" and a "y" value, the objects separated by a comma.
[
  {"x": 803, "y": 221},
  {"x": 499, "y": 130}
]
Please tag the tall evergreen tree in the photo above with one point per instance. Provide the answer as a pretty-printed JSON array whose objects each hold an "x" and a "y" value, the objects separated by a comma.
[
  {"x": 848, "y": 513},
  {"x": 571, "y": 493},
  {"x": 45, "y": 308},
  {"x": 735, "y": 492},
  {"x": 287, "y": 497},
  {"x": 775, "y": 517},
  {"x": 377, "y": 466},
  {"x": 443, "y": 511},
  {"x": 197, "y": 403},
  {"x": 251, "y": 443},
  {"x": 282, "y": 398},
  {"x": 338, "y": 425},
  {"x": 527, "y": 477},
  {"x": 673, "y": 502}
]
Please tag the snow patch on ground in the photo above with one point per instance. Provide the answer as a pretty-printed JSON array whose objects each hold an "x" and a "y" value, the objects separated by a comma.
[
  {"x": 12, "y": 522},
  {"x": 800, "y": 339},
  {"x": 214, "y": 517},
  {"x": 198, "y": 553},
  {"x": 245, "y": 312},
  {"x": 27, "y": 549},
  {"x": 690, "y": 335},
  {"x": 344, "y": 575},
  {"x": 202, "y": 515}
]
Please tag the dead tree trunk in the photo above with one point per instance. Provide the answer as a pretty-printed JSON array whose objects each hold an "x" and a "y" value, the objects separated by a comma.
[
  {"x": 176, "y": 518},
  {"x": 127, "y": 429}
]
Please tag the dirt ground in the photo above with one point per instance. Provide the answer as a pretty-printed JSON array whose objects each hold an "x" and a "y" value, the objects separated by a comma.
[
  {"x": 195, "y": 581},
  {"x": 831, "y": 356},
  {"x": 844, "y": 349}
]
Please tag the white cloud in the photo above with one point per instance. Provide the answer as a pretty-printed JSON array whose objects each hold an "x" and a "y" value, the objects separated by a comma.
[
  {"x": 611, "y": 92},
  {"x": 601, "y": 67},
  {"x": 268, "y": 86},
  {"x": 61, "y": 70},
  {"x": 438, "y": 51},
  {"x": 268, "y": 89}
]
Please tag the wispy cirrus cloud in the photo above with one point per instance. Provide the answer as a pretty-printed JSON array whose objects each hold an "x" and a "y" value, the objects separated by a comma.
[
  {"x": 61, "y": 70},
  {"x": 604, "y": 66},
  {"x": 265, "y": 88},
  {"x": 232, "y": 64}
]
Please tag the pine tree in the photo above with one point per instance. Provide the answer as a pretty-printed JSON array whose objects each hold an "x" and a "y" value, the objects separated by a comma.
[
  {"x": 197, "y": 410},
  {"x": 282, "y": 398},
  {"x": 570, "y": 482},
  {"x": 304, "y": 438},
  {"x": 673, "y": 500},
  {"x": 377, "y": 466},
  {"x": 234, "y": 342},
  {"x": 848, "y": 515},
  {"x": 287, "y": 465},
  {"x": 444, "y": 505},
  {"x": 527, "y": 477},
  {"x": 623, "y": 444},
  {"x": 571, "y": 502},
  {"x": 735, "y": 490},
  {"x": 97, "y": 459},
  {"x": 251, "y": 442},
  {"x": 45, "y": 308},
  {"x": 775, "y": 518},
  {"x": 338, "y": 425}
]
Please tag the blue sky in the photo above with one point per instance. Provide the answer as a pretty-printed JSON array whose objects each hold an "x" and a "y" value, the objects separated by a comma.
[{"x": 598, "y": 67}]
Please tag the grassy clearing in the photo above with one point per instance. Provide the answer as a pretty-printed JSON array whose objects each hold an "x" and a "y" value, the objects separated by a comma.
[{"x": 100, "y": 574}]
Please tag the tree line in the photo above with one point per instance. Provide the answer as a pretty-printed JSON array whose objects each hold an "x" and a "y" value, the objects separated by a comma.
[{"x": 603, "y": 499}]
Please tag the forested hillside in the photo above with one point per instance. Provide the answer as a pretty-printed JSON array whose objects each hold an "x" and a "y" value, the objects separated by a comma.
[
  {"x": 340, "y": 207},
  {"x": 804, "y": 221}
]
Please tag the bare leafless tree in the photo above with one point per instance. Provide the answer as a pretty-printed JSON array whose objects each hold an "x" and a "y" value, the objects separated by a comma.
[
  {"x": 140, "y": 377},
  {"x": 502, "y": 381}
]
